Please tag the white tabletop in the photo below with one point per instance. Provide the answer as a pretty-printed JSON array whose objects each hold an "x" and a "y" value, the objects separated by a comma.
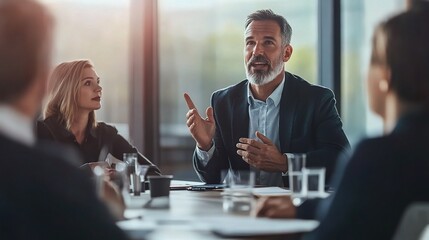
[{"x": 199, "y": 215}]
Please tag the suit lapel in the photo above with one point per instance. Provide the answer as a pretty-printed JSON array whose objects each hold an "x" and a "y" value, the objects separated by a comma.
[
  {"x": 240, "y": 119},
  {"x": 288, "y": 104}
]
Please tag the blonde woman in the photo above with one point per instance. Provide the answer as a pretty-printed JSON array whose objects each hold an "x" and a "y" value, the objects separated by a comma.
[{"x": 74, "y": 95}]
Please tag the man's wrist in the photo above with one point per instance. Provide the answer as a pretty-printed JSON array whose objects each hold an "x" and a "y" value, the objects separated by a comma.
[{"x": 206, "y": 148}]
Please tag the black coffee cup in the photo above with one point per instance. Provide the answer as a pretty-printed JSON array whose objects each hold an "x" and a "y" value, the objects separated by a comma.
[{"x": 159, "y": 185}]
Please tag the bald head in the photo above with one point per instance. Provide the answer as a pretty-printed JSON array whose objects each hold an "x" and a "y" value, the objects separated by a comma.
[{"x": 25, "y": 47}]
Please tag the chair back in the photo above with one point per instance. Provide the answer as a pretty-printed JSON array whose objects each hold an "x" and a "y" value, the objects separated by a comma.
[{"x": 414, "y": 222}]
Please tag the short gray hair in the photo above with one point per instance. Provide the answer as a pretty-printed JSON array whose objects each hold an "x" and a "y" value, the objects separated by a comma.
[{"x": 268, "y": 14}]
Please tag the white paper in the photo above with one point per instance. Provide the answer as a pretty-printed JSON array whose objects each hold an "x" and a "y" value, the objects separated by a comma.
[
  {"x": 184, "y": 183},
  {"x": 110, "y": 159},
  {"x": 270, "y": 191},
  {"x": 136, "y": 228},
  {"x": 248, "y": 226}
]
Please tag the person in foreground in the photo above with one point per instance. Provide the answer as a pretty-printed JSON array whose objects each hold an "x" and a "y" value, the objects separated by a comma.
[
  {"x": 74, "y": 93},
  {"x": 257, "y": 122},
  {"x": 385, "y": 174},
  {"x": 43, "y": 194}
]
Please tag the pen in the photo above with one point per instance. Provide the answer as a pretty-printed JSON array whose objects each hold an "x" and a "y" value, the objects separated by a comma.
[{"x": 196, "y": 188}]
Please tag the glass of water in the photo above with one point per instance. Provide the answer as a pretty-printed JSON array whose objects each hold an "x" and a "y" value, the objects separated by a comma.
[
  {"x": 237, "y": 195},
  {"x": 315, "y": 182},
  {"x": 130, "y": 159},
  {"x": 297, "y": 178}
]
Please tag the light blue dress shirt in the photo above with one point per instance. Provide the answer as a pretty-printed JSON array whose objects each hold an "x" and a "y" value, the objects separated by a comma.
[{"x": 263, "y": 117}]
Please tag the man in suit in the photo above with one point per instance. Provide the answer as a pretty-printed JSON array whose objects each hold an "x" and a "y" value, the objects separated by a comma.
[
  {"x": 256, "y": 123},
  {"x": 43, "y": 195},
  {"x": 384, "y": 174}
]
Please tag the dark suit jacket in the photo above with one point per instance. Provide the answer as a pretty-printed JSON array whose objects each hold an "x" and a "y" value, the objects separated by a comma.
[
  {"x": 45, "y": 196},
  {"x": 103, "y": 135},
  {"x": 309, "y": 122},
  {"x": 383, "y": 176}
]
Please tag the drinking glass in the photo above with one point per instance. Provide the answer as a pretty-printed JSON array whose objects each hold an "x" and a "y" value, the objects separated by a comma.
[
  {"x": 237, "y": 195},
  {"x": 316, "y": 182},
  {"x": 139, "y": 178},
  {"x": 122, "y": 180},
  {"x": 130, "y": 159},
  {"x": 297, "y": 179}
]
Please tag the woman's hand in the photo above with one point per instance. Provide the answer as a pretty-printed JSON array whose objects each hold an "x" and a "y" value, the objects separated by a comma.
[
  {"x": 92, "y": 165},
  {"x": 108, "y": 171}
]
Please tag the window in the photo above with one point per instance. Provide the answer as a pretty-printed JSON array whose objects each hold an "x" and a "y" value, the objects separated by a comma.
[
  {"x": 201, "y": 50},
  {"x": 99, "y": 31},
  {"x": 359, "y": 18}
]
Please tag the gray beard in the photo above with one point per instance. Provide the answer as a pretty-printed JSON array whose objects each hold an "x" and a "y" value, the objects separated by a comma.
[{"x": 261, "y": 78}]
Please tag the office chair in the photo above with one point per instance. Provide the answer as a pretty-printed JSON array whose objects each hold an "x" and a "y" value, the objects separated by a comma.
[{"x": 414, "y": 223}]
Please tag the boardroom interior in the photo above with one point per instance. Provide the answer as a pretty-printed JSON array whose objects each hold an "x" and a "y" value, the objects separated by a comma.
[{"x": 149, "y": 52}]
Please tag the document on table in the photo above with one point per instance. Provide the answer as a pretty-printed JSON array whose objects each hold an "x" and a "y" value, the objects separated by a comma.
[
  {"x": 136, "y": 228},
  {"x": 248, "y": 226},
  {"x": 183, "y": 185},
  {"x": 270, "y": 191}
]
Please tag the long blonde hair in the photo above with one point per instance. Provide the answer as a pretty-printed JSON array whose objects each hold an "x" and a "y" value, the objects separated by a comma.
[{"x": 63, "y": 89}]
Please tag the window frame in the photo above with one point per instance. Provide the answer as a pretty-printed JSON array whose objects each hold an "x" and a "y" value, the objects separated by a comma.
[{"x": 144, "y": 97}]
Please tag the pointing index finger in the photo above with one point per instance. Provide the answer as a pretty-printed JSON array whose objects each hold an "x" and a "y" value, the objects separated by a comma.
[{"x": 189, "y": 101}]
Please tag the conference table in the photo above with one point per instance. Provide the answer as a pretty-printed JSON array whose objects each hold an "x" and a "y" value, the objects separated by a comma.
[{"x": 200, "y": 215}]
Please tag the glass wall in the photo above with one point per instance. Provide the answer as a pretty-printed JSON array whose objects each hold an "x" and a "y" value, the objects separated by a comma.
[
  {"x": 359, "y": 18},
  {"x": 201, "y": 50},
  {"x": 99, "y": 31}
]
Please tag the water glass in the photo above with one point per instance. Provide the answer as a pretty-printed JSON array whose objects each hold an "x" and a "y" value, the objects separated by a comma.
[
  {"x": 237, "y": 195},
  {"x": 316, "y": 182},
  {"x": 122, "y": 180},
  {"x": 138, "y": 178},
  {"x": 297, "y": 179},
  {"x": 130, "y": 159}
]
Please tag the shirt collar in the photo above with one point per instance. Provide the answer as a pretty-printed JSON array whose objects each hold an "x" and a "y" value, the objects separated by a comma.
[
  {"x": 16, "y": 125},
  {"x": 275, "y": 96}
]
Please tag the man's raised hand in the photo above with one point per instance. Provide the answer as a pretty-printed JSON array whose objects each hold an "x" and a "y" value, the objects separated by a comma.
[{"x": 201, "y": 129}]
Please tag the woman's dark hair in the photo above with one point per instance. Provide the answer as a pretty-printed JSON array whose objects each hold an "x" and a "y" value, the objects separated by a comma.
[{"x": 407, "y": 53}]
